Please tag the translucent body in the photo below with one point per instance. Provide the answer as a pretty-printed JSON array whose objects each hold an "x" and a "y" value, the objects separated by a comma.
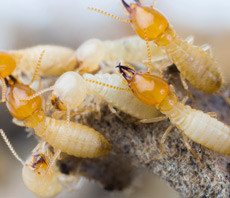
[
  {"x": 36, "y": 176},
  {"x": 117, "y": 97},
  {"x": 70, "y": 89},
  {"x": 196, "y": 65},
  {"x": 94, "y": 52},
  {"x": 56, "y": 60},
  {"x": 74, "y": 139},
  {"x": 198, "y": 126}
]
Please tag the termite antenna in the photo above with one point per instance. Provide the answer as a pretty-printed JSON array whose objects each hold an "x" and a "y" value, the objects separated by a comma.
[
  {"x": 109, "y": 14},
  {"x": 38, "y": 66},
  {"x": 9, "y": 145},
  {"x": 38, "y": 93},
  {"x": 126, "y": 72}
]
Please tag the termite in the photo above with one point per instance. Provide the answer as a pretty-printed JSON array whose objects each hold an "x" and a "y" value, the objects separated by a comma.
[
  {"x": 195, "y": 124},
  {"x": 35, "y": 174},
  {"x": 195, "y": 65},
  {"x": 71, "y": 89},
  {"x": 64, "y": 136},
  {"x": 39, "y": 172},
  {"x": 95, "y": 52}
]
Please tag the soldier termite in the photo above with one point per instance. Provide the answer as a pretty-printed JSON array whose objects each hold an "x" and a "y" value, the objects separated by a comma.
[
  {"x": 195, "y": 124},
  {"x": 71, "y": 89},
  {"x": 195, "y": 65},
  {"x": 69, "y": 137}
]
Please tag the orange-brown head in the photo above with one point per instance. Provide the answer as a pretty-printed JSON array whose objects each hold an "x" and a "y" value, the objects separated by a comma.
[
  {"x": 147, "y": 22},
  {"x": 18, "y": 108},
  {"x": 7, "y": 64},
  {"x": 150, "y": 89}
]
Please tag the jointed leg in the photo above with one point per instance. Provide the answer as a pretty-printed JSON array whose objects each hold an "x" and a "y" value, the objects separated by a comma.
[
  {"x": 190, "y": 149},
  {"x": 152, "y": 120},
  {"x": 53, "y": 160},
  {"x": 109, "y": 14},
  {"x": 164, "y": 137},
  {"x": 4, "y": 88},
  {"x": 38, "y": 66}
]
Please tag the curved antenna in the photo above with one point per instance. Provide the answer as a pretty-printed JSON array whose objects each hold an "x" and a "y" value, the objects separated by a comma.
[
  {"x": 9, "y": 145},
  {"x": 38, "y": 66}
]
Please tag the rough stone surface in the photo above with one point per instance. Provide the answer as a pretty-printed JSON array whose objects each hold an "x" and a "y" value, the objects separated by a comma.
[{"x": 137, "y": 145}]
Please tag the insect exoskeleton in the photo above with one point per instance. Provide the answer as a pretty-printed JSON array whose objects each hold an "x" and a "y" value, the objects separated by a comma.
[
  {"x": 37, "y": 177},
  {"x": 195, "y": 124},
  {"x": 111, "y": 88},
  {"x": 69, "y": 137},
  {"x": 56, "y": 60},
  {"x": 195, "y": 65},
  {"x": 95, "y": 52}
]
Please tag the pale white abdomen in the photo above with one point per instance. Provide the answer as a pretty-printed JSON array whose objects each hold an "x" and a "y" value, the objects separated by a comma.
[
  {"x": 72, "y": 138},
  {"x": 197, "y": 66},
  {"x": 118, "y": 95},
  {"x": 201, "y": 128}
]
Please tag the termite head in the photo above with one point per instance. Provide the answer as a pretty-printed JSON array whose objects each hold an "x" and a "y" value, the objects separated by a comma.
[
  {"x": 7, "y": 64},
  {"x": 70, "y": 89},
  {"x": 19, "y": 108},
  {"x": 147, "y": 22},
  {"x": 57, "y": 103},
  {"x": 150, "y": 89}
]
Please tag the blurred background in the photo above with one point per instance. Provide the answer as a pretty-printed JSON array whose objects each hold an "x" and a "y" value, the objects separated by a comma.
[{"x": 25, "y": 23}]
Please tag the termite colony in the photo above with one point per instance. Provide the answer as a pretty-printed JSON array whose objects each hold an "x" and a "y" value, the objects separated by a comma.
[{"x": 150, "y": 97}]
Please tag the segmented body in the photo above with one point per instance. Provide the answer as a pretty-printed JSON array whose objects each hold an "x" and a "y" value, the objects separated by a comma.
[
  {"x": 121, "y": 98},
  {"x": 56, "y": 60},
  {"x": 196, "y": 65},
  {"x": 71, "y": 138},
  {"x": 95, "y": 52},
  {"x": 201, "y": 127}
]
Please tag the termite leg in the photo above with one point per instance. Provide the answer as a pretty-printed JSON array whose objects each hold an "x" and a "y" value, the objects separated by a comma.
[
  {"x": 12, "y": 150},
  {"x": 38, "y": 93},
  {"x": 213, "y": 114},
  {"x": 68, "y": 112},
  {"x": 190, "y": 39},
  {"x": 53, "y": 160},
  {"x": 4, "y": 88},
  {"x": 207, "y": 48},
  {"x": 191, "y": 150},
  {"x": 109, "y": 15},
  {"x": 184, "y": 83},
  {"x": 111, "y": 108},
  {"x": 152, "y": 120},
  {"x": 164, "y": 137},
  {"x": 38, "y": 66}
]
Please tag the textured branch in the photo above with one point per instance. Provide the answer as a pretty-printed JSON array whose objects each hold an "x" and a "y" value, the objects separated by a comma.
[{"x": 136, "y": 145}]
